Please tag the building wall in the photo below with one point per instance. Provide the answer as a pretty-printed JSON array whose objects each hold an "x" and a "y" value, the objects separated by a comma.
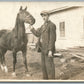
[{"x": 74, "y": 28}]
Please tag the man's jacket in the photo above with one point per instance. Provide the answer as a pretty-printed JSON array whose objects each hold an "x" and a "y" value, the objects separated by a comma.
[{"x": 47, "y": 35}]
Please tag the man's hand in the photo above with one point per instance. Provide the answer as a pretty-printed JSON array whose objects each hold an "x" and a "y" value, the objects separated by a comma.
[
  {"x": 50, "y": 54},
  {"x": 30, "y": 27}
]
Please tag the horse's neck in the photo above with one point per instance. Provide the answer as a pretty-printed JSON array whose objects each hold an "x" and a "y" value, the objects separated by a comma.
[{"x": 19, "y": 29}]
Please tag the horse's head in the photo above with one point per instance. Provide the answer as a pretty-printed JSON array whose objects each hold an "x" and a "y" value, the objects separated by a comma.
[{"x": 25, "y": 16}]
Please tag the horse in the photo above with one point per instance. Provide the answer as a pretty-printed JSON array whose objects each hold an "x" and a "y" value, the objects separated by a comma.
[{"x": 16, "y": 39}]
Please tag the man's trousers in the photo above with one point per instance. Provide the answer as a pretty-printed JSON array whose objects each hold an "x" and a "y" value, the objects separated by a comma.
[{"x": 48, "y": 67}]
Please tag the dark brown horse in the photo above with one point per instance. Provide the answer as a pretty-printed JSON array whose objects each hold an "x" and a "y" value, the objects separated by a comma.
[{"x": 15, "y": 40}]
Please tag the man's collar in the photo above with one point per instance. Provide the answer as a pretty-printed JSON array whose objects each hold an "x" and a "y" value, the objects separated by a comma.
[{"x": 47, "y": 22}]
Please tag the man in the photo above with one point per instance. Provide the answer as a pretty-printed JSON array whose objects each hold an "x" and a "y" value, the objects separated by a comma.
[{"x": 47, "y": 35}]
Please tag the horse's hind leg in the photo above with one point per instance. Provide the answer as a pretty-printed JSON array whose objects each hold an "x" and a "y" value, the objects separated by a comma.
[
  {"x": 3, "y": 63},
  {"x": 5, "y": 66},
  {"x": 1, "y": 59}
]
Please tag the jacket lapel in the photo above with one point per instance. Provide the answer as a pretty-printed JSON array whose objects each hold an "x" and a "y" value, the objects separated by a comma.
[{"x": 44, "y": 27}]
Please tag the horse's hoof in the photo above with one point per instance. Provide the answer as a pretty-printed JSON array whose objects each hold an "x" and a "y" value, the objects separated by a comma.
[
  {"x": 28, "y": 75},
  {"x": 2, "y": 67},
  {"x": 6, "y": 69},
  {"x": 14, "y": 74}
]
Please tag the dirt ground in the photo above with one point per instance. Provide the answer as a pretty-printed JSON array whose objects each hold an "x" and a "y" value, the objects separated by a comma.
[{"x": 67, "y": 65}]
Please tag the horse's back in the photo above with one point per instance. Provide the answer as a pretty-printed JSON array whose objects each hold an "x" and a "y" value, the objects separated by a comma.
[{"x": 3, "y": 32}]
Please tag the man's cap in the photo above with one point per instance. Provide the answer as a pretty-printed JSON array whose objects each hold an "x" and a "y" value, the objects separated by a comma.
[{"x": 44, "y": 13}]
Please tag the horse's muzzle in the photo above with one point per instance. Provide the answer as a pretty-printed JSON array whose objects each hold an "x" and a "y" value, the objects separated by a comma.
[{"x": 32, "y": 21}]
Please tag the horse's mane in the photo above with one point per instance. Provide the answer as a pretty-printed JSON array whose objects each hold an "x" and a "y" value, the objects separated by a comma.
[{"x": 15, "y": 29}]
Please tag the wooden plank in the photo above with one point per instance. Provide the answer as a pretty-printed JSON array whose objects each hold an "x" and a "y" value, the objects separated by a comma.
[{"x": 79, "y": 56}]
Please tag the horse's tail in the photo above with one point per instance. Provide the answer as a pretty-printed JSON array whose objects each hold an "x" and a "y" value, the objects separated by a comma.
[{"x": 2, "y": 32}]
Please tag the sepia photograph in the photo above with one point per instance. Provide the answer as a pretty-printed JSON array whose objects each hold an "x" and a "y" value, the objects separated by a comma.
[{"x": 41, "y": 41}]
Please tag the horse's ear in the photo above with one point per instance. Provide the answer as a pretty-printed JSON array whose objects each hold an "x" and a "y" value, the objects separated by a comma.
[
  {"x": 25, "y": 8},
  {"x": 20, "y": 8}
]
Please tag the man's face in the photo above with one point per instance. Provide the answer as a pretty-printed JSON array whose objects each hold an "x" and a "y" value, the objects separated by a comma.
[{"x": 45, "y": 17}]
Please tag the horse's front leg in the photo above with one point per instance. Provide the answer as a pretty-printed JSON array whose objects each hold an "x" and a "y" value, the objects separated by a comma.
[
  {"x": 14, "y": 63},
  {"x": 24, "y": 52}
]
